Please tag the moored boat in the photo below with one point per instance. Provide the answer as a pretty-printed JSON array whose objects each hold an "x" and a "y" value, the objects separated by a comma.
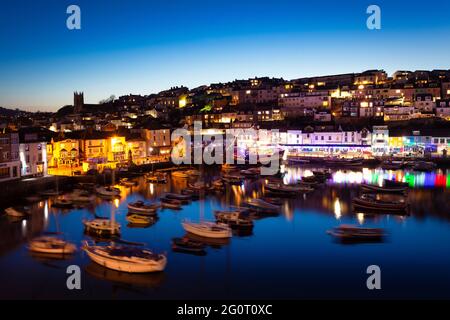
[
  {"x": 187, "y": 245},
  {"x": 17, "y": 212},
  {"x": 385, "y": 189},
  {"x": 354, "y": 233},
  {"x": 261, "y": 205},
  {"x": 234, "y": 219},
  {"x": 158, "y": 177},
  {"x": 108, "y": 192},
  {"x": 138, "y": 219},
  {"x": 232, "y": 178},
  {"x": 393, "y": 183},
  {"x": 372, "y": 202},
  {"x": 142, "y": 208},
  {"x": 126, "y": 258},
  {"x": 127, "y": 182},
  {"x": 102, "y": 227},
  {"x": 51, "y": 245},
  {"x": 208, "y": 229}
]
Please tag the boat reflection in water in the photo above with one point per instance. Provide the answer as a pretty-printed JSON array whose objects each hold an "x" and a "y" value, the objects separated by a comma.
[{"x": 142, "y": 280}]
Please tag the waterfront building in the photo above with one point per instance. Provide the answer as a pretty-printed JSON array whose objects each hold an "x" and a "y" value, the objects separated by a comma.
[
  {"x": 443, "y": 108},
  {"x": 33, "y": 155},
  {"x": 136, "y": 149},
  {"x": 380, "y": 140},
  {"x": 64, "y": 152},
  {"x": 9, "y": 155},
  {"x": 157, "y": 139}
]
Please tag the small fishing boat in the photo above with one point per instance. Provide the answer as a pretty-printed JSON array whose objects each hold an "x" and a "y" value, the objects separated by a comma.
[
  {"x": 229, "y": 167},
  {"x": 385, "y": 189},
  {"x": 51, "y": 245},
  {"x": 187, "y": 245},
  {"x": 251, "y": 173},
  {"x": 393, "y": 183},
  {"x": 208, "y": 229},
  {"x": 102, "y": 227},
  {"x": 139, "y": 219},
  {"x": 184, "y": 198},
  {"x": 232, "y": 179},
  {"x": 291, "y": 189},
  {"x": 142, "y": 208},
  {"x": 126, "y": 258},
  {"x": 234, "y": 219},
  {"x": 372, "y": 202},
  {"x": 18, "y": 212},
  {"x": 127, "y": 182},
  {"x": 262, "y": 206},
  {"x": 158, "y": 177},
  {"x": 108, "y": 192},
  {"x": 354, "y": 233},
  {"x": 170, "y": 203},
  {"x": 62, "y": 203},
  {"x": 180, "y": 174}
]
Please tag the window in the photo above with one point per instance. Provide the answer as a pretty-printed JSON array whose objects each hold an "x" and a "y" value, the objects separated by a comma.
[
  {"x": 27, "y": 158},
  {"x": 27, "y": 147}
]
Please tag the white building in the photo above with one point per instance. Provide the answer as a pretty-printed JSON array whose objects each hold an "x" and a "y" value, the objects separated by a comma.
[
  {"x": 33, "y": 158},
  {"x": 380, "y": 140}
]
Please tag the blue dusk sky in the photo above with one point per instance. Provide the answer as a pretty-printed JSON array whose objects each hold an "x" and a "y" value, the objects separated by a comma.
[{"x": 143, "y": 47}]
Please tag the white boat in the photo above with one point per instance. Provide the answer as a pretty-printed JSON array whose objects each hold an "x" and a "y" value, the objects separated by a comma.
[
  {"x": 16, "y": 212},
  {"x": 261, "y": 205},
  {"x": 51, "y": 245},
  {"x": 102, "y": 226},
  {"x": 141, "y": 207},
  {"x": 180, "y": 174},
  {"x": 208, "y": 229},
  {"x": 108, "y": 192},
  {"x": 126, "y": 258}
]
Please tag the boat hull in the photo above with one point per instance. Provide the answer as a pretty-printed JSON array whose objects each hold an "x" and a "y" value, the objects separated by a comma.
[
  {"x": 206, "y": 233},
  {"x": 124, "y": 266}
]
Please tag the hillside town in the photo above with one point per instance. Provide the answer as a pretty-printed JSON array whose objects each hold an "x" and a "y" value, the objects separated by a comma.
[{"x": 368, "y": 114}]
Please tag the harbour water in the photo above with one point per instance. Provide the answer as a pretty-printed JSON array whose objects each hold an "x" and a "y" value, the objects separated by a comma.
[{"x": 286, "y": 256}]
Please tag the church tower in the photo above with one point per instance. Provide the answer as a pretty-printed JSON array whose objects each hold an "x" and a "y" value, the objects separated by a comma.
[{"x": 78, "y": 102}]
